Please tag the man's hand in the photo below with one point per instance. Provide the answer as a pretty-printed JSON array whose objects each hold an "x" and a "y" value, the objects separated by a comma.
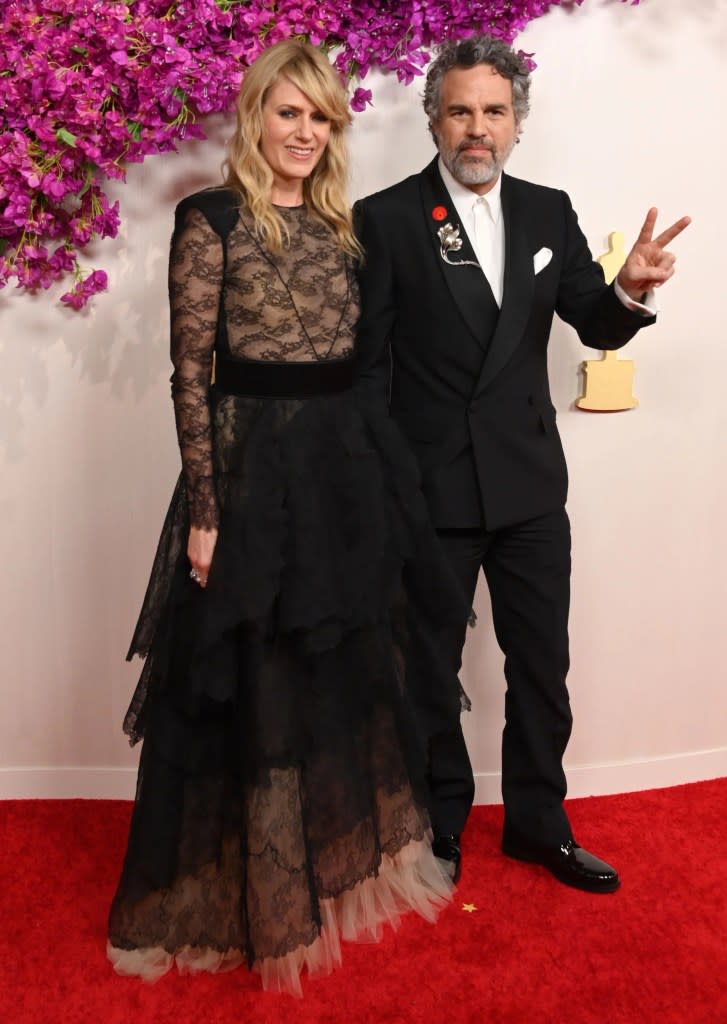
[{"x": 649, "y": 265}]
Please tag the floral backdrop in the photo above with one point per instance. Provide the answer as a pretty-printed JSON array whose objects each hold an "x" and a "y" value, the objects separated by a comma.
[{"x": 88, "y": 86}]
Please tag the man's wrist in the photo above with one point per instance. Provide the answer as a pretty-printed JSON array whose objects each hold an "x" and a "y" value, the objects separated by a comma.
[{"x": 645, "y": 305}]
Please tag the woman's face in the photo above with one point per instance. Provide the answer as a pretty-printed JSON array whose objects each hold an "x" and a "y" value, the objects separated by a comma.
[{"x": 294, "y": 136}]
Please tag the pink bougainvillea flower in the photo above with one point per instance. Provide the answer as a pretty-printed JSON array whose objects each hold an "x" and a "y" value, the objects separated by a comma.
[
  {"x": 361, "y": 99},
  {"x": 90, "y": 86}
]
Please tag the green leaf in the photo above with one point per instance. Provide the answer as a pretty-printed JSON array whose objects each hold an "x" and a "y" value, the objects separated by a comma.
[{"x": 63, "y": 135}]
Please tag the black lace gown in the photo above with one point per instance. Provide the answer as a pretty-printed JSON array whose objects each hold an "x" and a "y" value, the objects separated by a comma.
[{"x": 280, "y": 802}]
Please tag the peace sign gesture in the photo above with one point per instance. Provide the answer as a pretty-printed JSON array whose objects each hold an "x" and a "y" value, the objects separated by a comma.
[{"x": 649, "y": 265}]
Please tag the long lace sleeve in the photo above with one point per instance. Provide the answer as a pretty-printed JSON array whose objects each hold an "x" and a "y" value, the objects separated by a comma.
[{"x": 195, "y": 281}]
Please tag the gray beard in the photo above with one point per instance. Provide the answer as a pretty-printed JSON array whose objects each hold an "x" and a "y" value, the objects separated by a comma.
[{"x": 467, "y": 171}]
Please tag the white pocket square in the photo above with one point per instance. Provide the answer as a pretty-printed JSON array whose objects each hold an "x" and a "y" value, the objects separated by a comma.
[{"x": 541, "y": 259}]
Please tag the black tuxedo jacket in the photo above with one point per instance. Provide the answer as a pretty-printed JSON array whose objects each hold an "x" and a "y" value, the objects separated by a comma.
[{"x": 466, "y": 382}]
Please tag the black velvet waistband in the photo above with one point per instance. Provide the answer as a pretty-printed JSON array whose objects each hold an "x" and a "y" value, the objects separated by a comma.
[{"x": 261, "y": 379}]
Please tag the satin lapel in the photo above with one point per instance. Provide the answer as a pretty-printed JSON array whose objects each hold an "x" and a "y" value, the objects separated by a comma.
[
  {"x": 468, "y": 285},
  {"x": 518, "y": 291}
]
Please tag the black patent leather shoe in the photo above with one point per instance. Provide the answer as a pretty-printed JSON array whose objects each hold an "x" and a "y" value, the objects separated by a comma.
[
  {"x": 570, "y": 864},
  {"x": 447, "y": 851}
]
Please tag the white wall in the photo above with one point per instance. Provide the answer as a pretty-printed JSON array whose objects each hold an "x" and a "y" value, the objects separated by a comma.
[{"x": 627, "y": 112}]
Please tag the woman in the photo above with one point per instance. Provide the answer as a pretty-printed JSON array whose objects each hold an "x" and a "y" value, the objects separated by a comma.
[{"x": 279, "y": 804}]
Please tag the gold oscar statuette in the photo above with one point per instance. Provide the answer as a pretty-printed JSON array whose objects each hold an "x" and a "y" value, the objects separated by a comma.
[{"x": 608, "y": 381}]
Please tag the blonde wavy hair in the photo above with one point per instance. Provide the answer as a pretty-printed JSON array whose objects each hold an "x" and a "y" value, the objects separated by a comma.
[{"x": 247, "y": 171}]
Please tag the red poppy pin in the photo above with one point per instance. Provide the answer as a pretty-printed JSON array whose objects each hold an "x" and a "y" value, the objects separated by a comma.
[{"x": 439, "y": 212}]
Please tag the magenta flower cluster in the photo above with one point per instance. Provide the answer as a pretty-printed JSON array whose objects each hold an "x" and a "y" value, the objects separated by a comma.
[{"x": 88, "y": 86}]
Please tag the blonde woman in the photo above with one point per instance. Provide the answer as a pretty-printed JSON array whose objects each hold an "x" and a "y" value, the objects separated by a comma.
[{"x": 280, "y": 804}]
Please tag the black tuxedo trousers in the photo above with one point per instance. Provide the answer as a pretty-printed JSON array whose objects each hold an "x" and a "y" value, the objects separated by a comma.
[
  {"x": 527, "y": 569},
  {"x": 468, "y": 385}
]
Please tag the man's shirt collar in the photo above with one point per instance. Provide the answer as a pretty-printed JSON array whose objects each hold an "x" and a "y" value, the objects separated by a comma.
[{"x": 464, "y": 198}]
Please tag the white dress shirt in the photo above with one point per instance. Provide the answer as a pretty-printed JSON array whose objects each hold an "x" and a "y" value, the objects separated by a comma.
[{"x": 481, "y": 217}]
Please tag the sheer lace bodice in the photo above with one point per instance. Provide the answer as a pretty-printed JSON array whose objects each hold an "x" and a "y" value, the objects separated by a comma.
[{"x": 296, "y": 305}]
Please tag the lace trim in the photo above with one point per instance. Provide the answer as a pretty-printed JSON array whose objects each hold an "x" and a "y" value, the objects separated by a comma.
[{"x": 410, "y": 880}]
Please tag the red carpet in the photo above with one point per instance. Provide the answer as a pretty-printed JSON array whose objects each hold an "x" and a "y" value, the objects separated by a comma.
[{"x": 532, "y": 950}]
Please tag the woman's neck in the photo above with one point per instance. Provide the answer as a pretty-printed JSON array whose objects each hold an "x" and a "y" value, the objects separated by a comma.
[{"x": 291, "y": 196}]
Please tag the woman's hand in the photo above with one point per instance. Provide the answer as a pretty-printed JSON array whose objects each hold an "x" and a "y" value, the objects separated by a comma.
[{"x": 200, "y": 549}]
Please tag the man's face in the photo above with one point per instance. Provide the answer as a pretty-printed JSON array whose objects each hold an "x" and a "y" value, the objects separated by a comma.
[{"x": 476, "y": 128}]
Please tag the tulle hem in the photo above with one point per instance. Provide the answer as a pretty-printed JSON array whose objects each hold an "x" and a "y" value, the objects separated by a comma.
[{"x": 410, "y": 880}]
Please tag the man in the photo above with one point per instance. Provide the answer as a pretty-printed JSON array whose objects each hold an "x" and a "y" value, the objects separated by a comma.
[{"x": 464, "y": 268}]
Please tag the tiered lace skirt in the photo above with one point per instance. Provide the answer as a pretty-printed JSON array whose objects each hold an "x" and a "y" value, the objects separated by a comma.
[{"x": 281, "y": 804}]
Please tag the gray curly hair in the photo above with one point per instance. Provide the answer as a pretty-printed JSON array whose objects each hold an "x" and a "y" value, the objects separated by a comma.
[{"x": 468, "y": 53}]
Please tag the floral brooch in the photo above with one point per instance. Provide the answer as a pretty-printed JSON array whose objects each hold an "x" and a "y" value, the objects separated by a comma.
[{"x": 449, "y": 241}]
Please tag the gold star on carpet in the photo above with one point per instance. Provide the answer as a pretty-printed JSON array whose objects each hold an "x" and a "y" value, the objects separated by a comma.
[{"x": 469, "y": 907}]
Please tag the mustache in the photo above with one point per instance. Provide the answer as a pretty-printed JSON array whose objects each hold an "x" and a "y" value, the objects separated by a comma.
[{"x": 475, "y": 144}]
